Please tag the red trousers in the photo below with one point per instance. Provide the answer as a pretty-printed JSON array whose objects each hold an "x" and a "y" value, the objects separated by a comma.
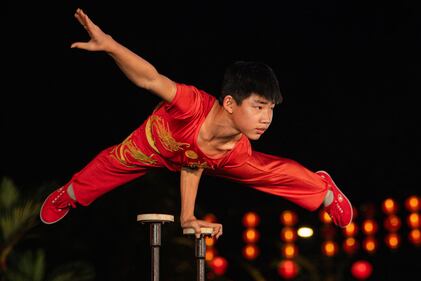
[{"x": 125, "y": 162}]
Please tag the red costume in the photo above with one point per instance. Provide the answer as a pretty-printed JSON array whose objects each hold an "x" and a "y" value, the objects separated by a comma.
[{"x": 168, "y": 138}]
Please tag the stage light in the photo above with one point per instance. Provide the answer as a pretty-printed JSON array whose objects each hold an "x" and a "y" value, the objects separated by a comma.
[
  {"x": 324, "y": 217},
  {"x": 219, "y": 265},
  {"x": 210, "y": 218},
  {"x": 389, "y": 206},
  {"x": 329, "y": 248},
  {"x": 210, "y": 253},
  {"x": 392, "y": 240},
  {"x": 210, "y": 241},
  {"x": 361, "y": 269},
  {"x": 251, "y": 235},
  {"x": 413, "y": 204},
  {"x": 305, "y": 232},
  {"x": 350, "y": 230},
  {"x": 251, "y": 251},
  {"x": 288, "y": 269},
  {"x": 350, "y": 245},
  {"x": 370, "y": 244},
  {"x": 289, "y": 250},
  {"x": 288, "y": 234},
  {"x": 414, "y": 237},
  {"x": 288, "y": 218},
  {"x": 413, "y": 220},
  {"x": 392, "y": 223},
  {"x": 251, "y": 219},
  {"x": 369, "y": 226}
]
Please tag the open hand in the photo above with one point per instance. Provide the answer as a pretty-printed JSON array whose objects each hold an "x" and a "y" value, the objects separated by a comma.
[
  {"x": 99, "y": 40},
  {"x": 197, "y": 224}
]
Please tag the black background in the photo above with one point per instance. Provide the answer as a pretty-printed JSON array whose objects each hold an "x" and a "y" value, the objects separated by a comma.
[{"x": 349, "y": 73}]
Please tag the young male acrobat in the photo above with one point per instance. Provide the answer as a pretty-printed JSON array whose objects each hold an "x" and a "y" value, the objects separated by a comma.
[{"x": 193, "y": 133}]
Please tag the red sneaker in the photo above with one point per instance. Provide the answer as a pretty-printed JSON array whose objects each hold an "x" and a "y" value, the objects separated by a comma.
[
  {"x": 340, "y": 210},
  {"x": 56, "y": 206}
]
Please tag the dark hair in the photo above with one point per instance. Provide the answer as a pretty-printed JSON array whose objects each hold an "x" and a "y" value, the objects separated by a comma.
[{"x": 244, "y": 78}]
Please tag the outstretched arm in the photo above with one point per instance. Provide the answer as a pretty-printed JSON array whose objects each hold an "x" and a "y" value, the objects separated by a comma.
[
  {"x": 189, "y": 183},
  {"x": 137, "y": 69}
]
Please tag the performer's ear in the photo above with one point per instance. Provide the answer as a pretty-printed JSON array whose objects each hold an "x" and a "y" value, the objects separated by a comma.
[{"x": 228, "y": 103}]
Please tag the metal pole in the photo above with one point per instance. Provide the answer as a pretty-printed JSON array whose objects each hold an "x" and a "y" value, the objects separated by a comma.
[
  {"x": 155, "y": 242},
  {"x": 200, "y": 253}
]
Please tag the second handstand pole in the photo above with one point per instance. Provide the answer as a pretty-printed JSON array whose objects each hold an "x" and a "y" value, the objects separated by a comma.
[{"x": 200, "y": 250}]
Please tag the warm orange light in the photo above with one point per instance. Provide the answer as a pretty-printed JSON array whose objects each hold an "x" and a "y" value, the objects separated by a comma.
[
  {"x": 210, "y": 218},
  {"x": 289, "y": 250},
  {"x": 251, "y": 252},
  {"x": 329, "y": 248},
  {"x": 251, "y": 219},
  {"x": 392, "y": 240},
  {"x": 251, "y": 235},
  {"x": 210, "y": 241},
  {"x": 351, "y": 229},
  {"x": 288, "y": 234},
  {"x": 389, "y": 206},
  {"x": 392, "y": 223},
  {"x": 413, "y": 204},
  {"x": 350, "y": 245},
  {"x": 370, "y": 244},
  {"x": 210, "y": 254},
  {"x": 324, "y": 217},
  {"x": 414, "y": 237},
  {"x": 369, "y": 227},
  {"x": 414, "y": 220},
  {"x": 288, "y": 218}
]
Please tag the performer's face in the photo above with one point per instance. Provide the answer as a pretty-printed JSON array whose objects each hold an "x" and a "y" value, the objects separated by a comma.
[{"x": 253, "y": 116}]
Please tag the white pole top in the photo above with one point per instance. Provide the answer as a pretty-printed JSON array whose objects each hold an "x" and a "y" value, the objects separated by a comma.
[{"x": 155, "y": 218}]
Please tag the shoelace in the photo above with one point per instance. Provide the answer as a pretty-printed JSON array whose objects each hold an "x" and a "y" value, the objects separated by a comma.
[{"x": 62, "y": 199}]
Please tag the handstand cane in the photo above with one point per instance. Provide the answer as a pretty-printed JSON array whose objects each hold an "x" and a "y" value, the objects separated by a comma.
[{"x": 155, "y": 221}]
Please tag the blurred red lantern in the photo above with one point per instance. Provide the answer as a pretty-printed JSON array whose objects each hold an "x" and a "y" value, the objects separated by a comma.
[
  {"x": 288, "y": 218},
  {"x": 251, "y": 235},
  {"x": 392, "y": 223},
  {"x": 288, "y": 234},
  {"x": 251, "y": 252},
  {"x": 413, "y": 204},
  {"x": 414, "y": 237},
  {"x": 414, "y": 220},
  {"x": 370, "y": 244},
  {"x": 350, "y": 245},
  {"x": 219, "y": 265},
  {"x": 288, "y": 269},
  {"x": 251, "y": 219},
  {"x": 361, "y": 269},
  {"x": 389, "y": 206},
  {"x": 392, "y": 240}
]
